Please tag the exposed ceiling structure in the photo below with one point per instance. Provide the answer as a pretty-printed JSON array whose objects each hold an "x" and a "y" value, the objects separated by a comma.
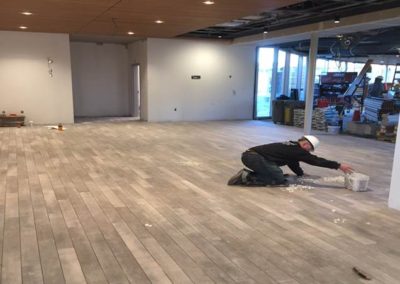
[
  {"x": 384, "y": 41},
  {"x": 302, "y": 13},
  {"x": 380, "y": 41}
]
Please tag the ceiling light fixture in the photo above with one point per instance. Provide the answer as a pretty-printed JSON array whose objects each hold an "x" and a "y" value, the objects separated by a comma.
[
  {"x": 336, "y": 20},
  {"x": 220, "y": 36},
  {"x": 265, "y": 30},
  {"x": 131, "y": 33},
  {"x": 209, "y": 2},
  {"x": 26, "y": 13},
  {"x": 159, "y": 22},
  {"x": 23, "y": 27}
]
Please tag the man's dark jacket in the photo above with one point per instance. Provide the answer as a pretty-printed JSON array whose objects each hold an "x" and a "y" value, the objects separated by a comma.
[{"x": 290, "y": 153}]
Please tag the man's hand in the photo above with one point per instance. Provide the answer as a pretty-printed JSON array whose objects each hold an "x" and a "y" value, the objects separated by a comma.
[{"x": 346, "y": 168}]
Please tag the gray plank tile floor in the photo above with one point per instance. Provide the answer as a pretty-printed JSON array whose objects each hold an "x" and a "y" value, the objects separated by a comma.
[{"x": 125, "y": 201}]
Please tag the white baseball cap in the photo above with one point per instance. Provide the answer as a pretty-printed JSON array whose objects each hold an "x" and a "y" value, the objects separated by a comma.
[{"x": 314, "y": 141}]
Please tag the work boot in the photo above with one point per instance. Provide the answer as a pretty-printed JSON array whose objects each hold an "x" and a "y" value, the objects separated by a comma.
[{"x": 239, "y": 178}]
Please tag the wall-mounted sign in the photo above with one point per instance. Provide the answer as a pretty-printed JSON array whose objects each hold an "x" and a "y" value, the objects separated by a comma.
[{"x": 196, "y": 77}]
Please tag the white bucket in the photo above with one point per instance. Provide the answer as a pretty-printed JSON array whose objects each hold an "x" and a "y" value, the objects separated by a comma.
[
  {"x": 332, "y": 129},
  {"x": 356, "y": 182}
]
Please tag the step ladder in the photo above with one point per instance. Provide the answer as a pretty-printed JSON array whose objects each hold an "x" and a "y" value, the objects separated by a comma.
[
  {"x": 396, "y": 75},
  {"x": 359, "y": 79}
]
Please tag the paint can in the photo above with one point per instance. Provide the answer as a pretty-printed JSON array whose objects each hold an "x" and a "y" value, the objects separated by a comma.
[{"x": 356, "y": 181}]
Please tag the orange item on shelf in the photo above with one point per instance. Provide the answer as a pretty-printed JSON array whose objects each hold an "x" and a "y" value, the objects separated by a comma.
[
  {"x": 323, "y": 102},
  {"x": 356, "y": 115}
]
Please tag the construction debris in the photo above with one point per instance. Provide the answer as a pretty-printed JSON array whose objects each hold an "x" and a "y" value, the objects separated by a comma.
[
  {"x": 56, "y": 127},
  {"x": 337, "y": 179}
]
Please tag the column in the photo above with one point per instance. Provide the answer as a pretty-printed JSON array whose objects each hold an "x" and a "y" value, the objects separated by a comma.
[
  {"x": 312, "y": 60},
  {"x": 394, "y": 195}
]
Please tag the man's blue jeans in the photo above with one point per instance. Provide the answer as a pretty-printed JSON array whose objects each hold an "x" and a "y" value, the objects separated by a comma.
[{"x": 264, "y": 172}]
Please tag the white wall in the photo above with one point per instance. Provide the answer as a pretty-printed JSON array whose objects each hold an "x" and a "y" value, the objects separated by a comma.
[
  {"x": 25, "y": 83},
  {"x": 394, "y": 196},
  {"x": 100, "y": 77},
  {"x": 138, "y": 55},
  {"x": 225, "y": 90}
]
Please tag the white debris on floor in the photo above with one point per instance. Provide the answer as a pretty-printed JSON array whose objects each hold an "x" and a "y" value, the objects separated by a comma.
[
  {"x": 304, "y": 184},
  {"x": 339, "y": 221},
  {"x": 337, "y": 179},
  {"x": 297, "y": 187},
  {"x": 55, "y": 127}
]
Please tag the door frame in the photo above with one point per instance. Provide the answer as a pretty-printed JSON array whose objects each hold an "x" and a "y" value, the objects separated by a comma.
[{"x": 135, "y": 94}]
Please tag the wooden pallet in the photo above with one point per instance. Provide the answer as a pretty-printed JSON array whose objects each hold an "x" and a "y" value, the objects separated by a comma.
[{"x": 391, "y": 139}]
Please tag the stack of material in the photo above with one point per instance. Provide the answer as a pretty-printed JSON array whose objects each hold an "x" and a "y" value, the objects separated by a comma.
[
  {"x": 298, "y": 117},
  {"x": 387, "y": 133},
  {"x": 331, "y": 116},
  {"x": 388, "y": 119},
  {"x": 290, "y": 106},
  {"x": 375, "y": 107},
  {"x": 318, "y": 119}
]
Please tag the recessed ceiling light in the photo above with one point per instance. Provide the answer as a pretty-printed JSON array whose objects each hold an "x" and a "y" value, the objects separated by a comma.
[
  {"x": 23, "y": 27},
  {"x": 219, "y": 36},
  {"x": 209, "y": 2},
  {"x": 159, "y": 22},
  {"x": 336, "y": 20},
  {"x": 26, "y": 13},
  {"x": 265, "y": 30},
  {"x": 131, "y": 33}
]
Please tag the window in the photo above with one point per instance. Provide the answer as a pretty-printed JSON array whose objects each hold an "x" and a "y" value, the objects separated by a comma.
[
  {"x": 303, "y": 82},
  {"x": 390, "y": 73},
  {"x": 321, "y": 69},
  {"x": 293, "y": 73},
  {"x": 358, "y": 67},
  {"x": 265, "y": 63},
  {"x": 350, "y": 67},
  {"x": 280, "y": 73},
  {"x": 377, "y": 70},
  {"x": 333, "y": 66},
  {"x": 277, "y": 73}
]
